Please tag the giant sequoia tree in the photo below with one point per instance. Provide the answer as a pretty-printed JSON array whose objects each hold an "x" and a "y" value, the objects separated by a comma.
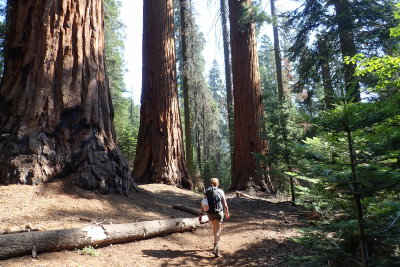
[
  {"x": 160, "y": 155},
  {"x": 248, "y": 109},
  {"x": 55, "y": 104}
]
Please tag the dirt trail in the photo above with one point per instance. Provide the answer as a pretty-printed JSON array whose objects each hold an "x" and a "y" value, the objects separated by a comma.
[{"x": 258, "y": 233}]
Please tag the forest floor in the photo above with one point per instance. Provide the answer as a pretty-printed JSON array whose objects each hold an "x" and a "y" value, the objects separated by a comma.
[{"x": 258, "y": 234}]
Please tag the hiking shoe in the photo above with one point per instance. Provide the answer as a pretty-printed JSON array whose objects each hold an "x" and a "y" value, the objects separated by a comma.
[{"x": 216, "y": 250}]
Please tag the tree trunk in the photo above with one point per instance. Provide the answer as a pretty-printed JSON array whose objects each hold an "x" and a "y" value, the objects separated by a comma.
[
  {"x": 281, "y": 95},
  {"x": 228, "y": 78},
  {"x": 248, "y": 109},
  {"x": 193, "y": 211},
  {"x": 55, "y": 105},
  {"x": 278, "y": 60},
  {"x": 160, "y": 156},
  {"x": 198, "y": 149},
  {"x": 347, "y": 46},
  {"x": 326, "y": 72},
  {"x": 14, "y": 245},
  {"x": 357, "y": 202},
  {"x": 185, "y": 15}
]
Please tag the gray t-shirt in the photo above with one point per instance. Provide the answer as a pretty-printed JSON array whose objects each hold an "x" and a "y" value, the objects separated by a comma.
[{"x": 221, "y": 192}]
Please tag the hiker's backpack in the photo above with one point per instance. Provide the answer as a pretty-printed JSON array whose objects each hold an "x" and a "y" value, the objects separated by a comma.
[{"x": 214, "y": 200}]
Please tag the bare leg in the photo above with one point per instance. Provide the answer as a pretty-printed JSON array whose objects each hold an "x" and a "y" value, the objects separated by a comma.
[{"x": 216, "y": 230}]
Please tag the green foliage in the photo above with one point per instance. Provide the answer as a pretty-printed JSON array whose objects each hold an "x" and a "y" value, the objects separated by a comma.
[
  {"x": 89, "y": 250},
  {"x": 252, "y": 13},
  {"x": 323, "y": 249},
  {"x": 326, "y": 179},
  {"x": 384, "y": 69},
  {"x": 371, "y": 23},
  {"x": 395, "y": 31},
  {"x": 114, "y": 49},
  {"x": 126, "y": 114},
  {"x": 3, "y": 33},
  {"x": 281, "y": 120},
  {"x": 128, "y": 128},
  {"x": 222, "y": 160},
  {"x": 330, "y": 182},
  {"x": 217, "y": 87},
  {"x": 207, "y": 106}
]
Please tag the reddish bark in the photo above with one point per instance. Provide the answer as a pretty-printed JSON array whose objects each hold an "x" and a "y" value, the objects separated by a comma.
[
  {"x": 277, "y": 51},
  {"x": 160, "y": 153},
  {"x": 248, "y": 111},
  {"x": 55, "y": 105}
]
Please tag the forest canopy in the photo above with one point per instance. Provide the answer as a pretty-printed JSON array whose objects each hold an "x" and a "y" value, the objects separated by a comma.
[{"x": 311, "y": 112}]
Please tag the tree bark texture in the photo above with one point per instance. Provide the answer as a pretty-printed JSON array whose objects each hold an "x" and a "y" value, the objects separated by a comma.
[
  {"x": 160, "y": 156},
  {"x": 185, "y": 17},
  {"x": 228, "y": 76},
  {"x": 14, "y": 245},
  {"x": 193, "y": 211},
  {"x": 277, "y": 50},
  {"x": 326, "y": 72},
  {"x": 281, "y": 94},
  {"x": 55, "y": 105},
  {"x": 248, "y": 111},
  {"x": 187, "y": 209},
  {"x": 347, "y": 46}
]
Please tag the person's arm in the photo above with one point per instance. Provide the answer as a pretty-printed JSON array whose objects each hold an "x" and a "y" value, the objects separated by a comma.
[{"x": 227, "y": 215}]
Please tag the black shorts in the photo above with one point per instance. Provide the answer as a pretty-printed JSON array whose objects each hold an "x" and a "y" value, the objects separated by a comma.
[{"x": 216, "y": 216}]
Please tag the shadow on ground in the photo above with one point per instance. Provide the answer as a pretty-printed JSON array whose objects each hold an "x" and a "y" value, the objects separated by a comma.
[
  {"x": 138, "y": 206},
  {"x": 268, "y": 252}
]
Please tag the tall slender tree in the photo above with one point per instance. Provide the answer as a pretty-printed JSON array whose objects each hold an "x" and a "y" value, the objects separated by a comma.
[
  {"x": 248, "y": 109},
  {"x": 325, "y": 72},
  {"x": 281, "y": 96},
  {"x": 350, "y": 27},
  {"x": 222, "y": 155},
  {"x": 344, "y": 20},
  {"x": 3, "y": 31},
  {"x": 277, "y": 50},
  {"x": 228, "y": 74},
  {"x": 185, "y": 16},
  {"x": 126, "y": 130},
  {"x": 160, "y": 154},
  {"x": 55, "y": 104}
]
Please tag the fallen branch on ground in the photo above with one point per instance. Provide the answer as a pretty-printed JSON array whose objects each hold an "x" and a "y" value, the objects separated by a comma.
[
  {"x": 187, "y": 209},
  {"x": 14, "y": 245},
  {"x": 284, "y": 217},
  {"x": 241, "y": 194},
  {"x": 191, "y": 210}
]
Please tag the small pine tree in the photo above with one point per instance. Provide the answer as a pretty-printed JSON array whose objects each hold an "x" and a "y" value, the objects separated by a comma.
[{"x": 351, "y": 172}]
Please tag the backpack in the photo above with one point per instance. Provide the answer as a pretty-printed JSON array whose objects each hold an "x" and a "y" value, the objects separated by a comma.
[{"x": 214, "y": 200}]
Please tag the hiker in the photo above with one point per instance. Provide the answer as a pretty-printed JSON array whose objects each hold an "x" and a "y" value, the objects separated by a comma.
[{"x": 215, "y": 207}]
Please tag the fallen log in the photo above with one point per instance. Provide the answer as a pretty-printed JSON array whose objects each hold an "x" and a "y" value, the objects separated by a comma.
[
  {"x": 187, "y": 209},
  {"x": 191, "y": 210},
  {"x": 14, "y": 245},
  {"x": 243, "y": 195}
]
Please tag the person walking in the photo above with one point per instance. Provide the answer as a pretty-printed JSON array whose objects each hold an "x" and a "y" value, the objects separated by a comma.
[{"x": 216, "y": 208}]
